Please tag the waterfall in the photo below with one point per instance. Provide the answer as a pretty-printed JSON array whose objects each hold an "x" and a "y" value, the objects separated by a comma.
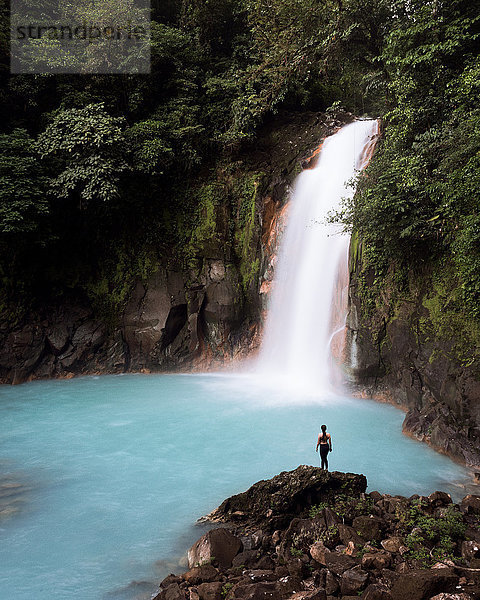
[{"x": 307, "y": 308}]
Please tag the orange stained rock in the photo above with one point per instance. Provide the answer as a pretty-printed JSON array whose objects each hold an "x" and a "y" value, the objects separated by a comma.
[
  {"x": 369, "y": 149},
  {"x": 312, "y": 160}
]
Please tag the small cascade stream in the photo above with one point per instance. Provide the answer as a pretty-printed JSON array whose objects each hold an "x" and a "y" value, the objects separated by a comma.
[{"x": 308, "y": 300}]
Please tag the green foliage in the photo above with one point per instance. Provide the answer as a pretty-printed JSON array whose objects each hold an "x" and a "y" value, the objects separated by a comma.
[
  {"x": 446, "y": 318},
  {"x": 416, "y": 207},
  {"x": 144, "y": 156},
  {"x": 226, "y": 588},
  {"x": 330, "y": 535},
  {"x": 245, "y": 198},
  {"x": 110, "y": 289},
  {"x": 349, "y": 507},
  {"x": 89, "y": 144},
  {"x": 45, "y": 51},
  {"x": 152, "y": 153},
  {"x": 308, "y": 54},
  {"x": 22, "y": 188},
  {"x": 317, "y": 509},
  {"x": 24, "y": 213},
  {"x": 134, "y": 152},
  {"x": 204, "y": 238},
  {"x": 431, "y": 538},
  {"x": 346, "y": 507}
]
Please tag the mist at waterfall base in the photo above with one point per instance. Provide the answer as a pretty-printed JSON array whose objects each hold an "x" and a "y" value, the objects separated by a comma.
[
  {"x": 115, "y": 471},
  {"x": 103, "y": 478}
]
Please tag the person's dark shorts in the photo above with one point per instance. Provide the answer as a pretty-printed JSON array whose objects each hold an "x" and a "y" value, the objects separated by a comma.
[{"x": 324, "y": 448}]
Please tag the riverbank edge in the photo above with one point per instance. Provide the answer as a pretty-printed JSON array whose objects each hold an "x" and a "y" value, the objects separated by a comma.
[{"x": 417, "y": 425}]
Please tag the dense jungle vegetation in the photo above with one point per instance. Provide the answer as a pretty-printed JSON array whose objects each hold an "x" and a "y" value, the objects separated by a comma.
[{"x": 98, "y": 172}]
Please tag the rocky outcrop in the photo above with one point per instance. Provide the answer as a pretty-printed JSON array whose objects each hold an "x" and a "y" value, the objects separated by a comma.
[
  {"x": 333, "y": 541},
  {"x": 269, "y": 502},
  {"x": 405, "y": 351}
]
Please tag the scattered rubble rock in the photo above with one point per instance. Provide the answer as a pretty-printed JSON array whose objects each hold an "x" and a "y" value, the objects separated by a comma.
[
  {"x": 392, "y": 544},
  {"x": 313, "y": 535},
  {"x": 210, "y": 591},
  {"x": 452, "y": 596},
  {"x": 470, "y": 504},
  {"x": 352, "y": 581},
  {"x": 377, "y": 560},
  {"x": 369, "y": 527},
  {"x": 377, "y": 591}
]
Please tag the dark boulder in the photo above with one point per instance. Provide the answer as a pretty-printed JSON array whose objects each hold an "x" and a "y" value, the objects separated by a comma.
[
  {"x": 331, "y": 583},
  {"x": 339, "y": 563},
  {"x": 319, "y": 552},
  {"x": 376, "y": 591},
  {"x": 440, "y": 499},
  {"x": 392, "y": 544},
  {"x": 300, "y": 535},
  {"x": 423, "y": 584},
  {"x": 348, "y": 535},
  {"x": 376, "y": 560},
  {"x": 454, "y": 596},
  {"x": 273, "y": 503},
  {"x": 202, "y": 574},
  {"x": 470, "y": 550},
  {"x": 210, "y": 591},
  {"x": 353, "y": 581},
  {"x": 255, "y": 591},
  {"x": 318, "y": 594},
  {"x": 258, "y": 575},
  {"x": 169, "y": 579},
  {"x": 369, "y": 527},
  {"x": 172, "y": 592},
  {"x": 470, "y": 504},
  {"x": 247, "y": 558},
  {"x": 253, "y": 541},
  {"x": 265, "y": 563}
]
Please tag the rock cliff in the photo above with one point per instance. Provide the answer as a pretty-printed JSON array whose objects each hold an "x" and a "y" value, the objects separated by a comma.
[{"x": 410, "y": 345}]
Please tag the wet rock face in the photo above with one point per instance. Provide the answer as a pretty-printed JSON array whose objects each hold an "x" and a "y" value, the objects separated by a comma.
[
  {"x": 168, "y": 322},
  {"x": 390, "y": 358},
  {"x": 59, "y": 341}
]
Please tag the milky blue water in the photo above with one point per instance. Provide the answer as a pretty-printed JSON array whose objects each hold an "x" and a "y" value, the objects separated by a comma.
[{"x": 116, "y": 470}]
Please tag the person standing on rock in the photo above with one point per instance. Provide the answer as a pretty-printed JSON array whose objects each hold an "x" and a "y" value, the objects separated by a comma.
[{"x": 325, "y": 443}]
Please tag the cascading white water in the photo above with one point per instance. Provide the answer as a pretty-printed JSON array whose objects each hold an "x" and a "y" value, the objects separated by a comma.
[{"x": 299, "y": 326}]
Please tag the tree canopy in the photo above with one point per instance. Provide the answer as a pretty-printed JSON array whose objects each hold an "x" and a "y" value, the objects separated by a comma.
[{"x": 92, "y": 162}]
